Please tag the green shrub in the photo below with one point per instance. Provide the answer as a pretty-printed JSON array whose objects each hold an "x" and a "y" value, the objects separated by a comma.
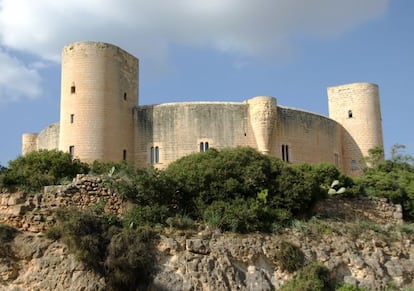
[
  {"x": 392, "y": 179},
  {"x": 203, "y": 178},
  {"x": 289, "y": 257},
  {"x": 40, "y": 168},
  {"x": 7, "y": 234},
  {"x": 348, "y": 287},
  {"x": 312, "y": 277},
  {"x": 181, "y": 222},
  {"x": 130, "y": 261},
  {"x": 85, "y": 234},
  {"x": 140, "y": 215}
]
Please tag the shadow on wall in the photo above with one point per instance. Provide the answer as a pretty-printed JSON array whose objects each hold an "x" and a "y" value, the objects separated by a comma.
[{"x": 353, "y": 158}]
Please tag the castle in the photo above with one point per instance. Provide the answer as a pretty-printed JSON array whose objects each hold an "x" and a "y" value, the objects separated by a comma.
[{"x": 100, "y": 119}]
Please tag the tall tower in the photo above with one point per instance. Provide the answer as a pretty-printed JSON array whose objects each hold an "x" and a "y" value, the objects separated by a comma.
[
  {"x": 357, "y": 108},
  {"x": 99, "y": 91}
]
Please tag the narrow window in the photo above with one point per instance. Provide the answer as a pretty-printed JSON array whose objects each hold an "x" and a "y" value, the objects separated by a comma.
[
  {"x": 152, "y": 155},
  {"x": 125, "y": 96},
  {"x": 354, "y": 165},
  {"x": 157, "y": 155},
  {"x": 72, "y": 118},
  {"x": 349, "y": 113},
  {"x": 285, "y": 153},
  {"x": 124, "y": 155},
  {"x": 336, "y": 159},
  {"x": 72, "y": 151},
  {"x": 204, "y": 146},
  {"x": 73, "y": 89}
]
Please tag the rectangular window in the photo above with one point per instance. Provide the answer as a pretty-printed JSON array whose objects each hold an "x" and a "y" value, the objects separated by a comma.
[
  {"x": 336, "y": 159},
  {"x": 204, "y": 146},
  {"x": 124, "y": 155},
  {"x": 73, "y": 90},
  {"x": 285, "y": 153},
  {"x": 155, "y": 155},
  {"x": 72, "y": 118},
  {"x": 72, "y": 151},
  {"x": 354, "y": 165}
]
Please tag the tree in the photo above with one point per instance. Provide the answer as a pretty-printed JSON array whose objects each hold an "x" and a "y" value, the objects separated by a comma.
[
  {"x": 392, "y": 179},
  {"x": 40, "y": 168}
]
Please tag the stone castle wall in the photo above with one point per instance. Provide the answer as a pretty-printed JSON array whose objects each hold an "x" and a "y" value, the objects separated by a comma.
[
  {"x": 177, "y": 129},
  {"x": 101, "y": 119},
  {"x": 310, "y": 137},
  {"x": 49, "y": 137}
]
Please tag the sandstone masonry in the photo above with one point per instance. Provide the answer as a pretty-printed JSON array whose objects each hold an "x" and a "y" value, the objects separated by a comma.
[{"x": 100, "y": 119}]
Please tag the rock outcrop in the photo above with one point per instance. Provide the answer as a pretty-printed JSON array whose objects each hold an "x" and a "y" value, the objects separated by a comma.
[{"x": 361, "y": 241}]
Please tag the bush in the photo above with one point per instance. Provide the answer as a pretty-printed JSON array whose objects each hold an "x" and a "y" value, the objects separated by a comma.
[
  {"x": 40, "y": 168},
  {"x": 140, "y": 215},
  {"x": 289, "y": 257},
  {"x": 7, "y": 234},
  {"x": 312, "y": 277},
  {"x": 130, "y": 260},
  {"x": 85, "y": 234},
  {"x": 348, "y": 287},
  {"x": 203, "y": 178},
  {"x": 392, "y": 179}
]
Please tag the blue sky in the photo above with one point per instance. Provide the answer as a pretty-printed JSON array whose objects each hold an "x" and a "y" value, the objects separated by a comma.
[{"x": 218, "y": 50}]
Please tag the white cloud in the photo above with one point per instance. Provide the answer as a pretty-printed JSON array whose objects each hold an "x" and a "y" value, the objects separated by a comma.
[
  {"x": 243, "y": 28},
  {"x": 17, "y": 80}
]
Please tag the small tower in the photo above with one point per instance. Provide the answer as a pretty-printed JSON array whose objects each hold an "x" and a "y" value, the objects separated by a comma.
[
  {"x": 99, "y": 91},
  {"x": 29, "y": 143},
  {"x": 263, "y": 116},
  {"x": 357, "y": 108}
]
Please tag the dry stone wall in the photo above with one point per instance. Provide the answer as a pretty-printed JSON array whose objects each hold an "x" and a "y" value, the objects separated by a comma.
[{"x": 33, "y": 212}]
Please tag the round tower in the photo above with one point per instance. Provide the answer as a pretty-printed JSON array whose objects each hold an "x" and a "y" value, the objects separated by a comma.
[
  {"x": 29, "y": 142},
  {"x": 263, "y": 116},
  {"x": 357, "y": 108},
  {"x": 99, "y": 90}
]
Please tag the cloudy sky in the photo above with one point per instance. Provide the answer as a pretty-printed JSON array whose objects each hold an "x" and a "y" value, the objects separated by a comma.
[{"x": 224, "y": 50}]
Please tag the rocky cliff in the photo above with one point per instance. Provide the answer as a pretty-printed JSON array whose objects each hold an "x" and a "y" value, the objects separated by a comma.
[{"x": 361, "y": 242}]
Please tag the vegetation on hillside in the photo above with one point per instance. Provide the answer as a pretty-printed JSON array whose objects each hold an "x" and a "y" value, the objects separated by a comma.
[
  {"x": 392, "y": 179},
  {"x": 40, "y": 168},
  {"x": 236, "y": 190}
]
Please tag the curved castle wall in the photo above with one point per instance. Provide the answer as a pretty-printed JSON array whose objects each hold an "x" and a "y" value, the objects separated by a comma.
[
  {"x": 179, "y": 129},
  {"x": 100, "y": 119},
  {"x": 357, "y": 108},
  {"x": 99, "y": 91}
]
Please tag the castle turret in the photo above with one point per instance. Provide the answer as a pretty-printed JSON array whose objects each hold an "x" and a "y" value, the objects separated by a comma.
[
  {"x": 263, "y": 116},
  {"x": 98, "y": 94},
  {"x": 29, "y": 142},
  {"x": 357, "y": 108}
]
